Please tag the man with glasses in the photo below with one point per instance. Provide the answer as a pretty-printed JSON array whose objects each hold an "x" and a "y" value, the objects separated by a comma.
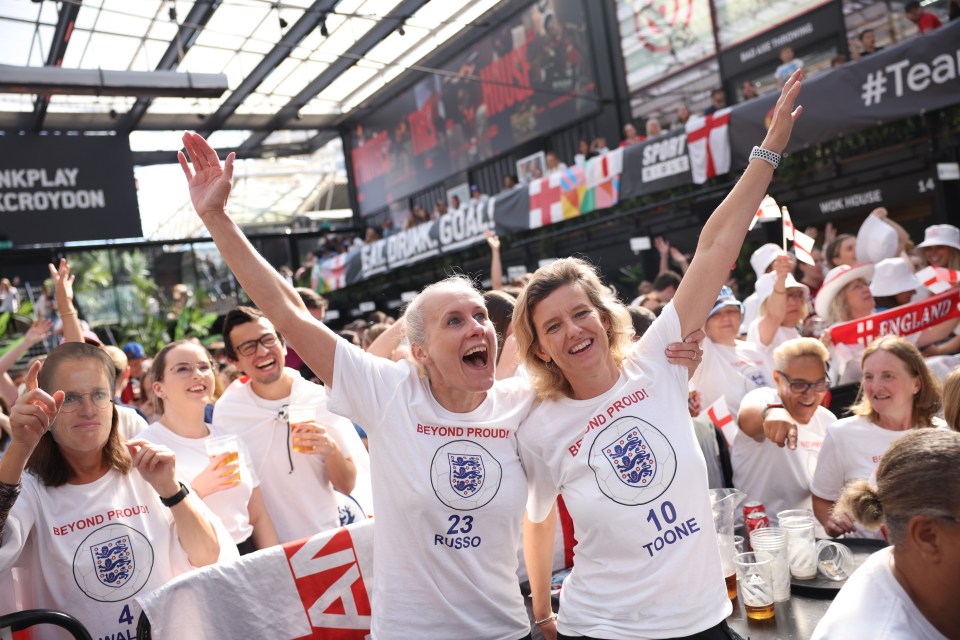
[
  {"x": 782, "y": 429},
  {"x": 298, "y": 486}
]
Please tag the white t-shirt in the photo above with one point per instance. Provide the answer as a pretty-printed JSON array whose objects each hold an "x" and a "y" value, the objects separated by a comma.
[
  {"x": 776, "y": 476},
  {"x": 851, "y": 450},
  {"x": 89, "y": 549},
  {"x": 633, "y": 477},
  {"x": 731, "y": 372},
  {"x": 449, "y": 492},
  {"x": 782, "y": 335},
  {"x": 130, "y": 424},
  {"x": 872, "y": 604},
  {"x": 230, "y": 505},
  {"x": 751, "y": 308},
  {"x": 296, "y": 490}
]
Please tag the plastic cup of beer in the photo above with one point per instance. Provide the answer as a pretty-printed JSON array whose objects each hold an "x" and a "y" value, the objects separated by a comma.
[
  {"x": 302, "y": 420},
  {"x": 774, "y": 541},
  {"x": 727, "y": 552},
  {"x": 229, "y": 445},
  {"x": 799, "y": 524},
  {"x": 755, "y": 583},
  {"x": 835, "y": 560}
]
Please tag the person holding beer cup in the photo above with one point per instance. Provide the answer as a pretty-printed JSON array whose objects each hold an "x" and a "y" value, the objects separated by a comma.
[
  {"x": 183, "y": 382},
  {"x": 613, "y": 436}
]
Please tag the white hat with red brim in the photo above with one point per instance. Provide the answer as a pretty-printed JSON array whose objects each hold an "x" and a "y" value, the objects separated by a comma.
[{"x": 837, "y": 278}]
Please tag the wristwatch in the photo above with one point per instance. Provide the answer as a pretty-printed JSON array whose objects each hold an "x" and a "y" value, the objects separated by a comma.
[
  {"x": 773, "y": 405},
  {"x": 760, "y": 153},
  {"x": 176, "y": 498}
]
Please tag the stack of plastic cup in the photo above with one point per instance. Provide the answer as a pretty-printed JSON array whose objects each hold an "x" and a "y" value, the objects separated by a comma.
[
  {"x": 774, "y": 541},
  {"x": 798, "y": 525}
]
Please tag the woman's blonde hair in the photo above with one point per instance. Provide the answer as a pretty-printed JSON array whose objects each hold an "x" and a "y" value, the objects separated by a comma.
[
  {"x": 926, "y": 402},
  {"x": 919, "y": 475},
  {"x": 546, "y": 377},
  {"x": 797, "y": 348}
]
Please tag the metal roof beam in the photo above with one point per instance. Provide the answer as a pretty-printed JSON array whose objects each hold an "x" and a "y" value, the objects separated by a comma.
[
  {"x": 196, "y": 20},
  {"x": 368, "y": 41},
  {"x": 294, "y": 35},
  {"x": 61, "y": 38}
]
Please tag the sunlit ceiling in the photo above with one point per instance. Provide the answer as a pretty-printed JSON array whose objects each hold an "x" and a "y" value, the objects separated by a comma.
[{"x": 297, "y": 70}]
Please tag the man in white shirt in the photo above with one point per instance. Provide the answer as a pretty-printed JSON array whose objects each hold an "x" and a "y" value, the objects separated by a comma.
[
  {"x": 297, "y": 483},
  {"x": 783, "y": 428}
]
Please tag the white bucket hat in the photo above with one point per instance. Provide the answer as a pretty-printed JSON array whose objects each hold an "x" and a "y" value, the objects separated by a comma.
[
  {"x": 837, "y": 278},
  {"x": 941, "y": 235},
  {"x": 893, "y": 276},
  {"x": 767, "y": 281},
  {"x": 762, "y": 258},
  {"x": 876, "y": 240}
]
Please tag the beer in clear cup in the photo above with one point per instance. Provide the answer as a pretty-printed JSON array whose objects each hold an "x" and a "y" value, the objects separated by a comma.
[
  {"x": 229, "y": 445},
  {"x": 302, "y": 420}
]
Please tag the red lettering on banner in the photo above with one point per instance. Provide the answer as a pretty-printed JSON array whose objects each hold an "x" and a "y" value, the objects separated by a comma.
[
  {"x": 330, "y": 586},
  {"x": 903, "y": 320},
  {"x": 506, "y": 81},
  {"x": 372, "y": 158},
  {"x": 422, "y": 130}
]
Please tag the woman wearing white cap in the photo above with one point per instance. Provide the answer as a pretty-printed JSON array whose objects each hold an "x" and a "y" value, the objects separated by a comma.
[
  {"x": 845, "y": 296},
  {"x": 731, "y": 367},
  {"x": 762, "y": 262},
  {"x": 941, "y": 246},
  {"x": 783, "y": 306}
]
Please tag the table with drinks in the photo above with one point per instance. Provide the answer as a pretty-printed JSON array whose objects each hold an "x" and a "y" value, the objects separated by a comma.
[{"x": 781, "y": 579}]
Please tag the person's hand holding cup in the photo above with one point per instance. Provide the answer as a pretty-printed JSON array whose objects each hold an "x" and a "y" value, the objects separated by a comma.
[
  {"x": 306, "y": 434},
  {"x": 224, "y": 453}
]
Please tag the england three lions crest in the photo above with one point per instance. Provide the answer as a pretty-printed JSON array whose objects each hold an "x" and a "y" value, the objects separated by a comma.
[
  {"x": 114, "y": 561},
  {"x": 632, "y": 459},
  {"x": 466, "y": 473},
  {"x": 634, "y": 462}
]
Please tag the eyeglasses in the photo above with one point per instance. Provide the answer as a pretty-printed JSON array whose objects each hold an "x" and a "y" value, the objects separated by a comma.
[
  {"x": 185, "y": 369},
  {"x": 72, "y": 401},
  {"x": 249, "y": 347},
  {"x": 797, "y": 386}
]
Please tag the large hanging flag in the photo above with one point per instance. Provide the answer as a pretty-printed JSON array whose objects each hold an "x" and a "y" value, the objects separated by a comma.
[{"x": 708, "y": 144}]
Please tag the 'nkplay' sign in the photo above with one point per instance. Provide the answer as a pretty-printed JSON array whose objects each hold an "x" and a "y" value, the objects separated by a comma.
[{"x": 63, "y": 188}]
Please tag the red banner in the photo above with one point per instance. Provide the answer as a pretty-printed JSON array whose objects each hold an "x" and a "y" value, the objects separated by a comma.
[{"x": 901, "y": 321}]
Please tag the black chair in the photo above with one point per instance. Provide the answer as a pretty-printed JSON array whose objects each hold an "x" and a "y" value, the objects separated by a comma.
[{"x": 30, "y": 617}]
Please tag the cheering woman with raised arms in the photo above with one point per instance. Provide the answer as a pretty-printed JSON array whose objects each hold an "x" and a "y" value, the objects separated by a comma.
[
  {"x": 614, "y": 438},
  {"x": 448, "y": 487}
]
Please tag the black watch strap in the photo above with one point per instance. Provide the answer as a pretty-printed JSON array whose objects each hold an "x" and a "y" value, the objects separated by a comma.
[
  {"x": 772, "y": 405},
  {"x": 176, "y": 498}
]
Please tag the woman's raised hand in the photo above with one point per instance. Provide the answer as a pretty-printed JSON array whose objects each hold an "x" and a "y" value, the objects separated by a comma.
[
  {"x": 784, "y": 115},
  {"x": 209, "y": 182},
  {"x": 33, "y": 412}
]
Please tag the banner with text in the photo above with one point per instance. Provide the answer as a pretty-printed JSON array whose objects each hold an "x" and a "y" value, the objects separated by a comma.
[
  {"x": 900, "y": 321},
  {"x": 918, "y": 75},
  {"x": 532, "y": 75},
  {"x": 61, "y": 188}
]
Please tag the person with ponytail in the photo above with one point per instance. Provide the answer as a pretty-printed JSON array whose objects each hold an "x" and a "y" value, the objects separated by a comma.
[{"x": 908, "y": 590}]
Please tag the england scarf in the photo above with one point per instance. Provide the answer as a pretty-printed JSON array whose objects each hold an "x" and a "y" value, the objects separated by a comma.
[{"x": 901, "y": 321}]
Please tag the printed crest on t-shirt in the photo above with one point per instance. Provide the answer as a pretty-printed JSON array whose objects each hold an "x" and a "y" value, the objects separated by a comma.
[
  {"x": 633, "y": 461},
  {"x": 113, "y": 563},
  {"x": 465, "y": 476}
]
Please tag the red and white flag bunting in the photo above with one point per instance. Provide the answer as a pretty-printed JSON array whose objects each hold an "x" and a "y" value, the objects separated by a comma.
[
  {"x": 901, "y": 321},
  {"x": 769, "y": 209},
  {"x": 317, "y": 588},
  {"x": 720, "y": 416},
  {"x": 938, "y": 279},
  {"x": 803, "y": 247}
]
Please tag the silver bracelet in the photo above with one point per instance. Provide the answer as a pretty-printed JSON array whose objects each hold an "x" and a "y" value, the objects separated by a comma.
[
  {"x": 760, "y": 153},
  {"x": 552, "y": 616}
]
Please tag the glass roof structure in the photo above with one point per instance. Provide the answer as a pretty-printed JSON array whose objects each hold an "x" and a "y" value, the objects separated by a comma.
[{"x": 296, "y": 71}]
